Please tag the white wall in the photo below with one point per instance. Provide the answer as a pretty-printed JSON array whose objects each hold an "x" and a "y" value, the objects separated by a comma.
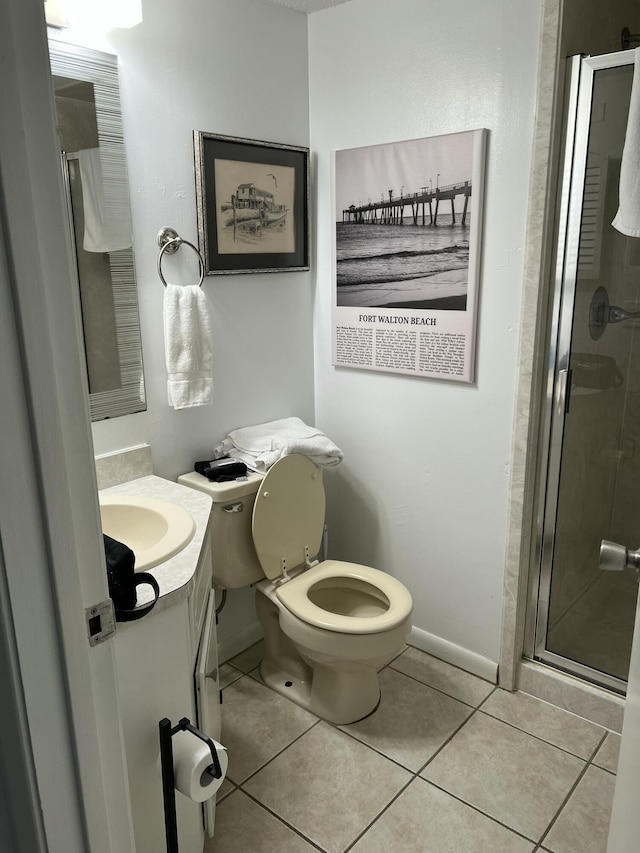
[
  {"x": 424, "y": 486},
  {"x": 239, "y": 68},
  {"x": 423, "y": 489}
]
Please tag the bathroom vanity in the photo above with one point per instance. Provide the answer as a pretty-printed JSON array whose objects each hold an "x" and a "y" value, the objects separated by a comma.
[{"x": 167, "y": 667}]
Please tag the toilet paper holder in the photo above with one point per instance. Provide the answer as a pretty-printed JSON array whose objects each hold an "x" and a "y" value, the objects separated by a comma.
[{"x": 168, "y": 778}]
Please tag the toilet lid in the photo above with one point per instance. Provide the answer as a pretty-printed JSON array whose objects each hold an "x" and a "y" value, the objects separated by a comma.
[{"x": 288, "y": 514}]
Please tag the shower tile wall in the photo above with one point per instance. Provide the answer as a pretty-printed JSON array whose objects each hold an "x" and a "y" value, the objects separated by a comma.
[{"x": 625, "y": 517}]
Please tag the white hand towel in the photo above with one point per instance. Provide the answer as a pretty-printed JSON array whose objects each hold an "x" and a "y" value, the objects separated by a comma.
[
  {"x": 261, "y": 445},
  {"x": 107, "y": 227},
  {"x": 187, "y": 341},
  {"x": 627, "y": 219}
]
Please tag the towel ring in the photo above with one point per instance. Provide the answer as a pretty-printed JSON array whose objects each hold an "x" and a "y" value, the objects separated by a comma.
[{"x": 170, "y": 242}]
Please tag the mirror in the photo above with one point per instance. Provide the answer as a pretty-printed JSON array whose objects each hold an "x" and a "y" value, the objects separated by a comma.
[{"x": 89, "y": 121}]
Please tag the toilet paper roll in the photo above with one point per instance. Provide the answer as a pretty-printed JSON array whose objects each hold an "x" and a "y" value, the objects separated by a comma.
[{"x": 191, "y": 758}]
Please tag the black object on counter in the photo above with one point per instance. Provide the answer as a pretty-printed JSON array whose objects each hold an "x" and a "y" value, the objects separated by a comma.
[{"x": 221, "y": 470}]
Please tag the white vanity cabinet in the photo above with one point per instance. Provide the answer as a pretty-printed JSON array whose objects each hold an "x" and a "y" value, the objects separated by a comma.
[
  {"x": 199, "y": 598},
  {"x": 156, "y": 660},
  {"x": 155, "y": 680}
]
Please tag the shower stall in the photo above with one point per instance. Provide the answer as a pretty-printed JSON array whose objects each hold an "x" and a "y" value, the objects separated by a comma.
[{"x": 580, "y": 616}]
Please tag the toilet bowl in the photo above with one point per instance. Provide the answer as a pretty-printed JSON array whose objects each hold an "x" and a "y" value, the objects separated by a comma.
[
  {"x": 342, "y": 626},
  {"x": 328, "y": 626}
]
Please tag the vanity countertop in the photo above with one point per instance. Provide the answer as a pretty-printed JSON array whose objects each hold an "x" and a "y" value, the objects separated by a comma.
[{"x": 175, "y": 576}]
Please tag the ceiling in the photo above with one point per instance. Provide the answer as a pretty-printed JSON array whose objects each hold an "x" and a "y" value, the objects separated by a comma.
[{"x": 308, "y": 6}]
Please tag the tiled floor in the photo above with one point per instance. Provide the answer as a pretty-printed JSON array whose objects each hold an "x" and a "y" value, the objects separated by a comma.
[{"x": 447, "y": 764}]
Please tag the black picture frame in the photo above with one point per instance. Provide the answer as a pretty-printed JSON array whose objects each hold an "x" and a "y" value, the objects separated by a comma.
[{"x": 252, "y": 203}]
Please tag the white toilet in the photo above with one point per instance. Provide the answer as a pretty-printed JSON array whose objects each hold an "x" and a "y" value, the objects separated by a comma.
[{"x": 328, "y": 626}]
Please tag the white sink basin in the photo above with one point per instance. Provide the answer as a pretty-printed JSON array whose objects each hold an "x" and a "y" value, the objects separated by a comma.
[{"x": 155, "y": 530}]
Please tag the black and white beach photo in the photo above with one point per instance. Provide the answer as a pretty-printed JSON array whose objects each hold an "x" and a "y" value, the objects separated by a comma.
[
  {"x": 403, "y": 222},
  {"x": 406, "y": 263}
]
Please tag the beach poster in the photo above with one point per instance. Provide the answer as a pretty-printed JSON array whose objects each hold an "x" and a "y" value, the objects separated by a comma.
[{"x": 406, "y": 255}]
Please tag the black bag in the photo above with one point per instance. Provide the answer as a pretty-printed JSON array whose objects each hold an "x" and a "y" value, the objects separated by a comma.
[
  {"x": 123, "y": 581},
  {"x": 221, "y": 470}
]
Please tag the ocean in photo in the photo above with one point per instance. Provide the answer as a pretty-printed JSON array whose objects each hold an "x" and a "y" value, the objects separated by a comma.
[{"x": 401, "y": 266}]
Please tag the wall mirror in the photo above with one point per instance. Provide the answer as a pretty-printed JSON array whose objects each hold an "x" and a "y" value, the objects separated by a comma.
[{"x": 94, "y": 171}]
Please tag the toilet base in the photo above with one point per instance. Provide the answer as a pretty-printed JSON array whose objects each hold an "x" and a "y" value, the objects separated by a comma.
[
  {"x": 341, "y": 692},
  {"x": 336, "y": 696}
]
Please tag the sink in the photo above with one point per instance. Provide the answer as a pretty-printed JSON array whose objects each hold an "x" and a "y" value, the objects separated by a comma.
[{"x": 154, "y": 529}]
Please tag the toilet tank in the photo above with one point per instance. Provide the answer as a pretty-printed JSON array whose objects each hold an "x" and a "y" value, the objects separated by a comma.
[{"x": 233, "y": 557}]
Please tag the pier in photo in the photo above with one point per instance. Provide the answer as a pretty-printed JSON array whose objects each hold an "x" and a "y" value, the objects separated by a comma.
[{"x": 391, "y": 211}]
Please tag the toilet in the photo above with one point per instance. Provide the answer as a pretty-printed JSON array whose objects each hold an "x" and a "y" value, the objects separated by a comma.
[{"x": 328, "y": 625}]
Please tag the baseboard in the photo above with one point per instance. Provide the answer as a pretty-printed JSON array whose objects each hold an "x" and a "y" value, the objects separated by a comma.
[
  {"x": 232, "y": 646},
  {"x": 453, "y": 654},
  {"x": 423, "y": 640}
]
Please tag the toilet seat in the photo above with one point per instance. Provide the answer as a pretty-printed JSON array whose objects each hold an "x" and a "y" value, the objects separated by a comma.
[
  {"x": 395, "y": 599},
  {"x": 287, "y": 526}
]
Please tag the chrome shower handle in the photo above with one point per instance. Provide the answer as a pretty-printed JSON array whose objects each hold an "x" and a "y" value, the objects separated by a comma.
[
  {"x": 619, "y": 315},
  {"x": 615, "y": 557}
]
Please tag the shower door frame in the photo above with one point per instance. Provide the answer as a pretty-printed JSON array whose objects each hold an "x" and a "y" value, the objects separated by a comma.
[{"x": 581, "y": 71}]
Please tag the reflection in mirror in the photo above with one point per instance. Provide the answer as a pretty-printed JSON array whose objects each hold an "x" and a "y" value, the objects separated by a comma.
[{"x": 94, "y": 171}]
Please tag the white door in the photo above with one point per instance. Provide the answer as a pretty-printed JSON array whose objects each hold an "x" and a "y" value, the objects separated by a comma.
[
  {"x": 66, "y": 780},
  {"x": 624, "y": 833}
]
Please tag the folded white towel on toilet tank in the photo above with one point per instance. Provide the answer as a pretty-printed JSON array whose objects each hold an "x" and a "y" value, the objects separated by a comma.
[
  {"x": 261, "y": 445},
  {"x": 187, "y": 343}
]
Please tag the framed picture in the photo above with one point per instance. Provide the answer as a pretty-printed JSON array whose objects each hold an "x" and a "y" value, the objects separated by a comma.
[
  {"x": 253, "y": 205},
  {"x": 408, "y": 222}
]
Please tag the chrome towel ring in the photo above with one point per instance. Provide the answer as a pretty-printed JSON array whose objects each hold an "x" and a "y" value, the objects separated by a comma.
[{"x": 169, "y": 242}]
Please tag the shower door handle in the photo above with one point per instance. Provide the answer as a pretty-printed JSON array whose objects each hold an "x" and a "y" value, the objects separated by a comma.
[
  {"x": 615, "y": 557},
  {"x": 564, "y": 390}
]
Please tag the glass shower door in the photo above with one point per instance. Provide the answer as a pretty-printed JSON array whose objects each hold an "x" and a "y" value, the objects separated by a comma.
[{"x": 584, "y": 616}]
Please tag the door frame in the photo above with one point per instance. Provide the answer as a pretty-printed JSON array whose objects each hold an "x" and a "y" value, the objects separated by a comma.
[
  {"x": 624, "y": 829},
  {"x": 64, "y": 741}
]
